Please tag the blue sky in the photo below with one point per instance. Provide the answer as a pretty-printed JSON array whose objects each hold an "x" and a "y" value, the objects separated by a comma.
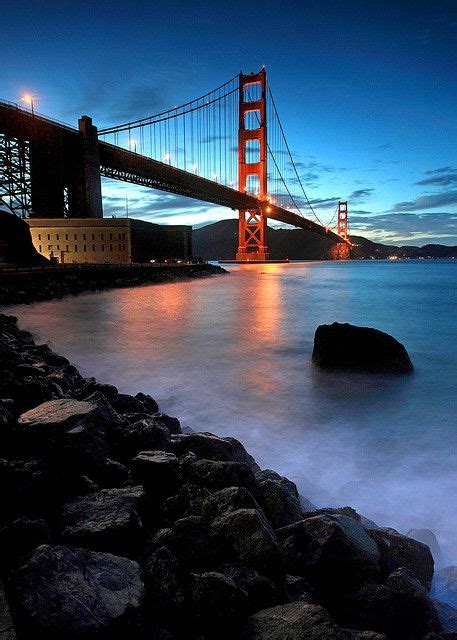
[{"x": 366, "y": 91}]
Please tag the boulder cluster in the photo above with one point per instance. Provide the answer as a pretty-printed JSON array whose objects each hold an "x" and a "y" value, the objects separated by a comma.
[
  {"x": 116, "y": 524},
  {"x": 22, "y": 287}
]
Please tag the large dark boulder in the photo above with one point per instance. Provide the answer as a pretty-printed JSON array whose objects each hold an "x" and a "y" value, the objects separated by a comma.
[
  {"x": 251, "y": 540},
  {"x": 400, "y": 608},
  {"x": 211, "y": 447},
  {"x": 345, "y": 346},
  {"x": 64, "y": 592},
  {"x": 109, "y": 519},
  {"x": 400, "y": 551},
  {"x": 333, "y": 551},
  {"x": 217, "y": 603},
  {"x": 279, "y": 499},
  {"x": 73, "y": 430},
  {"x": 16, "y": 245}
]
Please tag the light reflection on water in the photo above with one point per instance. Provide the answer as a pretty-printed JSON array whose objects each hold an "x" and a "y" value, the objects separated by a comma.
[{"x": 232, "y": 355}]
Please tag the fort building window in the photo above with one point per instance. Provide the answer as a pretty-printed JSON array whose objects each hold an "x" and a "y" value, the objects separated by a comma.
[
  {"x": 49, "y": 247},
  {"x": 39, "y": 248},
  {"x": 49, "y": 236},
  {"x": 93, "y": 236},
  {"x": 66, "y": 248},
  {"x": 66, "y": 236},
  {"x": 110, "y": 236},
  {"x": 93, "y": 247},
  {"x": 58, "y": 247},
  {"x": 111, "y": 247},
  {"x": 39, "y": 236},
  {"x": 103, "y": 247},
  {"x": 101, "y": 236},
  {"x": 76, "y": 248},
  {"x": 85, "y": 248},
  {"x": 57, "y": 236},
  {"x": 84, "y": 236},
  {"x": 76, "y": 237}
]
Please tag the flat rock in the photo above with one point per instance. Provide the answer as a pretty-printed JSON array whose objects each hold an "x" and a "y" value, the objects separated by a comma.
[
  {"x": 109, "y": 517},
  {"x": 297, "y": 621},
  {"x": 345, "y": 346},
  {"x": 64, "y": 592}
]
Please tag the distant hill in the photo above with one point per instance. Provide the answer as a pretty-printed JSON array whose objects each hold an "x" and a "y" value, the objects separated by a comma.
[{"x": 219, "y": 241}]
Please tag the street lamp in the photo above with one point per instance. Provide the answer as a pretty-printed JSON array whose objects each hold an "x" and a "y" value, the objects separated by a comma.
[{"x": 28, "y": 99}]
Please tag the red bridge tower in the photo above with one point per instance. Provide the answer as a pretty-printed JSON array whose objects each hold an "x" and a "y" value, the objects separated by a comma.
[
  {"x": 342, "y": 250},
  {"x": 252, "y": 176}
]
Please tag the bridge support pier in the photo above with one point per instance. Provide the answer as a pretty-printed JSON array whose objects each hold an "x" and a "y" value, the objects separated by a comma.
[
  {"x": 252, "y": 229},
  {"x": 85, "y": 193}
]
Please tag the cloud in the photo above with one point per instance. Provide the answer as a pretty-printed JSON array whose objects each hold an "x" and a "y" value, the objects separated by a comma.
[
  {"x": 406, "y": 227},
  {"x": 443, "y": 177},
  {"x": 360, "y": 195},
  {"x": 432, "y": 201}
]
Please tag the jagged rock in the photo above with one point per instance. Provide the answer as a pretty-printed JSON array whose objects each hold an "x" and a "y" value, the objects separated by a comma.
[
  {"x": 262, "y": 591},
  {"x": 296, "y": 621},
  {"x": 400, "y": 551},
  {"x": 188, "y": 501},
  {"x": 219, "y": 475},
  {"x": 157, "y": 470},
  {"x": 229, "y": 499},
  {"x": 445, "y": 585},
  {"x": 63, "y": 592},
  {"x": 165, "y": 585},
  {"x": 428, "y": 537},
  {"x": 109, "y": 519},
  {"x": 130, "y": 438},
  {"x": 193, "y": 542},
  {"x": 7, "y": 631},
  {"x": 447, "y": 615},
  {"x": 333, "y": 551},
  {"x": 251, "y": 539},
  {"x": 279, "y": 498},
  {"x": 217, "y": 603},
  {"x": 73, "y": 429},
  {"x": 90, "y": 386},
  {"x": 210, "y": 447},
  {"x": 345, "y": 346},
  {"x": 172, "y": 424},
  {"x": 148, "y": 402},
  {"x": 141, "y": 404},
  {"x": 400, "y": 608}
]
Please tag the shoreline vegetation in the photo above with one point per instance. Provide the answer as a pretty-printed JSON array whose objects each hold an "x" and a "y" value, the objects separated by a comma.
[{"x": 116, "y": 522}]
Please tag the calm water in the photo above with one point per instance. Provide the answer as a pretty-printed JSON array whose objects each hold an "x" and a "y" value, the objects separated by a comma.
[{"x": 232, "y": 355}]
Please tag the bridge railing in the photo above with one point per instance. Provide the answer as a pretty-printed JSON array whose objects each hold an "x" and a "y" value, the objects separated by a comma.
[{"x": 36, "y": 114}]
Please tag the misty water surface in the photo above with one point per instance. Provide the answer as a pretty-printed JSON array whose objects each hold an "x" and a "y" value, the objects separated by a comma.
[{"x": 232, "y": 355}]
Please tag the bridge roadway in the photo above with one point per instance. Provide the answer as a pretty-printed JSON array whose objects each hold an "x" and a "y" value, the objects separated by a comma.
[{"x": 128, "y": 166}]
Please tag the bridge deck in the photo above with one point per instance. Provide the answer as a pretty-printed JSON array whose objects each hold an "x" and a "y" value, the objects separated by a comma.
[{"x": 125, "y": 165}]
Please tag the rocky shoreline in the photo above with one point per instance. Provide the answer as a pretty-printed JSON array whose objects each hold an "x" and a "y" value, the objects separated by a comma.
[
  {"x": 23, "y": 286},
  {"x": 115, "y": 524}
]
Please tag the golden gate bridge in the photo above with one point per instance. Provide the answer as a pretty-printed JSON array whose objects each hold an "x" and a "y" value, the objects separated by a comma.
[{"x": 227, "y": 147}]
